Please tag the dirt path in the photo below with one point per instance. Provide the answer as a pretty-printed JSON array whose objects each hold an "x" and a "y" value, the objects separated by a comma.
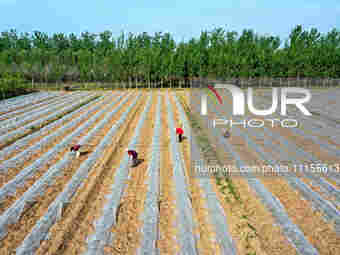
[
  {"x": 186, "y": 237},
  {"x": 167, "y": 218},
  {"x": 150, "y": 214}
]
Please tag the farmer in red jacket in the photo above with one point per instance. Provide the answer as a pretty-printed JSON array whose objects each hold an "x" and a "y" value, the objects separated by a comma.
[
  {"x": 133, "y": 155},
  {"x": 179, "y": 132}
]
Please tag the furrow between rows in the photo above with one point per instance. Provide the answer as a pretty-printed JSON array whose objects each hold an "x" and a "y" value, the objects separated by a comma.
[
  {"x": 54, "y": 128},
  {"x": 9, "y": 125},
  {"x": 290, "y": 154},
  {"x": 18, "y": 102},
  {"x": 150, "y": 215},
  {"x": 216, "y": 215},
  {"x": 186, "y": 237},
  {"x": 68, "y": 235},
  {"x": 103, "y": 235},
  {"x": 44, "y": 144},
  {"x": 54, "y": 211},
  {"x": 26, "y": 129},
  {"x": 19, "y": 180},
  {"x": 32, "y": 109},
  {"x": 63, "y": 168},
  {"x": 292, "y": 231}
]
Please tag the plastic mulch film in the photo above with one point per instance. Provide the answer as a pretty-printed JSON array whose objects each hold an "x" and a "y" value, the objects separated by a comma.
[
  {"x": 150, "y": 215},
  {"x": 103, "y": 235},
  {"x": 31, "y": 108},
  {"x": 5, "y": 152},
  {"x": 217, "y": 216},
  {"x": 41, "y": 228},
  {"x": 38, "y": 122},
  {"x": 20, "y": 158},
  {"x": 25, "y": 100},
  {"x": 290, "y": 230},
  {"x": 12, "y": 214},
  {"x": 186, "y": 237},
  {"x": 7, "y": 125},
  {"x": 330, "y": 212},
  {"x": 19, "y": 180}
]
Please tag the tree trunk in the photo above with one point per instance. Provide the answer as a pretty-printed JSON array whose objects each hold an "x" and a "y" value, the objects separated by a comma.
[{"x": 3, "y": 93}]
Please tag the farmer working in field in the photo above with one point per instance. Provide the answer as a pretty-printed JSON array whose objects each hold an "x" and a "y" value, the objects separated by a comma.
[
  {"x": 179, "y": 132},
  {"x": 78, "y": 149},
  {"x": 133, "y": 155},
  {"x": 75, "y": 148},
  {"x": 226, "y": 134}
]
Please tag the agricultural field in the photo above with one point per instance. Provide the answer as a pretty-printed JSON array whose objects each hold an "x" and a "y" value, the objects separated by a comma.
[{"x": 54, "y": 203}]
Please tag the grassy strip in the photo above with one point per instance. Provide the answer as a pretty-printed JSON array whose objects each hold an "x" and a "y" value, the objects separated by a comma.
[
  {"x": 209, "y": 153},
  {"x": 232, "y": 195},
  {"x": 14, "y": 92},
  {"x": 36, "y": 128},
  {"x": 12, "y": 85}
]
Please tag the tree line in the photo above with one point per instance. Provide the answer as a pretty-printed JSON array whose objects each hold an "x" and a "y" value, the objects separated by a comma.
[{"x": 144, "y": 59}]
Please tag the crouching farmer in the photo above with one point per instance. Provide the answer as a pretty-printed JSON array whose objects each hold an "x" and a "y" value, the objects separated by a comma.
[
  {"x": 76, "y": 149},
  {"x": 134, "y": 156},
  {"x": 80, "y": 149},
  {"x": 226, "y": 134}
]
